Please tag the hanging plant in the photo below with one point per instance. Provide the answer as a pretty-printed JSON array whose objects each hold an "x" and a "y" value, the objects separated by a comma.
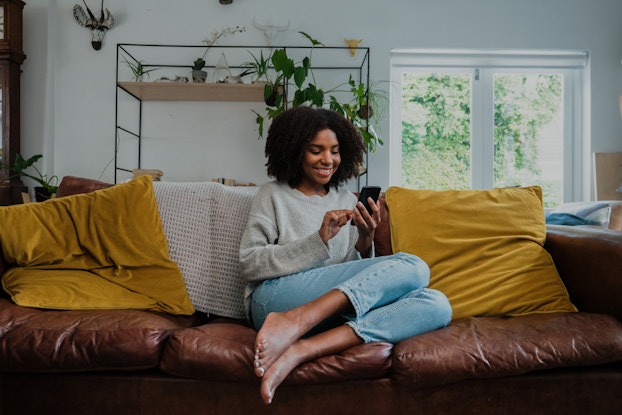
[{"x": 298, "y": 76}]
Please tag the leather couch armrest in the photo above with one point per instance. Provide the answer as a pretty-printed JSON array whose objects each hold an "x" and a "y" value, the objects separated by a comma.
[
  {"x": 589, "y": 260},
  {"x": 71, "y": 185}
]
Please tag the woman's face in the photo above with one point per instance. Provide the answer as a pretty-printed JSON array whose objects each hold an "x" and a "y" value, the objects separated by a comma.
[{"x": 320, "y": 161}]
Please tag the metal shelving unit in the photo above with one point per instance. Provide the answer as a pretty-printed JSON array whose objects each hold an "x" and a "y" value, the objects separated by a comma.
[{"x": 170, "y": 59}]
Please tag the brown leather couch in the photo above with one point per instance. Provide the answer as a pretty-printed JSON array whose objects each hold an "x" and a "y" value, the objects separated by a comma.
[{"x": 139, "y": 362}]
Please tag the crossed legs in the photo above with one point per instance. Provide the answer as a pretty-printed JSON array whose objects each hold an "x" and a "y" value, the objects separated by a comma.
[
  {"x": 391, "y": 300},
  {"x": 279, "y": 347}
]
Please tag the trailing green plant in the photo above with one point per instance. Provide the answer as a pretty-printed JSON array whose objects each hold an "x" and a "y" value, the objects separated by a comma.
[
  {"x": 21, "y": 165},
  {"x": 138, "y": 70},
  {"x": 293, "y": 83},
  {"x": 288, "y": 73},
  {"x": 368, "y": 105}
]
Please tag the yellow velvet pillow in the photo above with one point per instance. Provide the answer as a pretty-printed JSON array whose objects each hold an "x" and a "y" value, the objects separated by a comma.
[
  {"x": 484, "y": 248},
  {"x": 105, "y": 249}
]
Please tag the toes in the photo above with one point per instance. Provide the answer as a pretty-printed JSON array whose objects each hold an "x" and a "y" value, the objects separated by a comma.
[
  {"x": 259, "y": 369},
  {"x": 266, "y": 395}
]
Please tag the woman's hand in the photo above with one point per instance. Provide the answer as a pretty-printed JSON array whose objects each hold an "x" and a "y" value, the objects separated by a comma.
[
  {"x": 366, "y": 225},
  {"x": 332, "y": 223}
]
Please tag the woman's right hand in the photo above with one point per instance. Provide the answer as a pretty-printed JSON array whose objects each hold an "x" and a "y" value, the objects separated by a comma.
[{"x": 333, "y": 222}]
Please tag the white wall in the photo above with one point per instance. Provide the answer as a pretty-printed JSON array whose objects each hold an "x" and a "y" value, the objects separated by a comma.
[{"x": 68, "y": 102}]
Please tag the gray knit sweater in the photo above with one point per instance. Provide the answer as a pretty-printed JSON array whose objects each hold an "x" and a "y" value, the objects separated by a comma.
[{"x": 281, "y": 236}]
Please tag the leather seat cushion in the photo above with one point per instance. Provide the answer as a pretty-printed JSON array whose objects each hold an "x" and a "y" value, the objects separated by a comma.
[
  {"x": 34, "y": 340},
  {"x": 494, "y": 347},
  {"x": 223, "y": 351}
]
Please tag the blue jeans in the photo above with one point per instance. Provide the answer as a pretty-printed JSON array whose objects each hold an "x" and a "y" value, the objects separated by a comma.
[{"x": 388, "y": 294}]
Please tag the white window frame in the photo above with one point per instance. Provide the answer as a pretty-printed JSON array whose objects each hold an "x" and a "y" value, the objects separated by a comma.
[{"x": 574, "y": 65}]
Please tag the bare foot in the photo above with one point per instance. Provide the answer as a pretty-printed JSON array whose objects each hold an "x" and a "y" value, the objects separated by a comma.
[
  {"x": 278, "y": 371},
  {"x": 281, "y": 330},
  {"x": 277, "y": 334},
  {"x": 322, "y": 344}
]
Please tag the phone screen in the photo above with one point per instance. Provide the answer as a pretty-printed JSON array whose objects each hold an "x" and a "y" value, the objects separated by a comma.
[{"x": 368, "y": 191}]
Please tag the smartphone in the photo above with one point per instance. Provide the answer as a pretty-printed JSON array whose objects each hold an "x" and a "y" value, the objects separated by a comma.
[{"x": 368, "y": 191}]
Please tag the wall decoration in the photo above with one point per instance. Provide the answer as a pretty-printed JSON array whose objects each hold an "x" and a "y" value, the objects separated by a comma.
[
  {"x": 353, "y": 44},
  {"x": 271, "y": 31},
  {"x": 98, "y": 27}
]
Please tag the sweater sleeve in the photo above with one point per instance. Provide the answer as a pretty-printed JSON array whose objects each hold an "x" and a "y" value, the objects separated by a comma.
[
  {"x": 277, "y": 240},
  {"x": 262, "y": 258}
]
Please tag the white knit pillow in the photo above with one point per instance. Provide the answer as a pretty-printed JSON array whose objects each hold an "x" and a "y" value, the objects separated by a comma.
[{"x": 204, "y": 222}]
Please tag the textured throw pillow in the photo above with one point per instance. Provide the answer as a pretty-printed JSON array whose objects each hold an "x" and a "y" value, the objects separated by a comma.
[
  {"x": 484, "y": 248},
  {"x": 101, "y": 250},
  {"x": 594, "y": 213},
  {"x": 204, "y": 222}
]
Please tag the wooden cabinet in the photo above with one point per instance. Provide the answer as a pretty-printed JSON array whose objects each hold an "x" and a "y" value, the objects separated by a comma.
[{"x": 11, "y": 59}]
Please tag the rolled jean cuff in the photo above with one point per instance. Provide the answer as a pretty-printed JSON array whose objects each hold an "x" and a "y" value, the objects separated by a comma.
[
  {"x": 353, "y": 300},
  {"x": 356, "y": 331}
]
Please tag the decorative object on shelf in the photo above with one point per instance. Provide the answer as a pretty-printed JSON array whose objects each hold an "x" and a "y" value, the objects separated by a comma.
[
  {"x": 49, "y": 185},
  {"x": 98, "y": 27},
  {"x": 222, "y": 71},
  {"x": 138, "y": 70},
  {"x": 198, "y": 74},
  {"x": 353, "y": 44},
  {"x": 237, "y": 79},
  {"x": 199, "y": 63},
  {"x": 156, "y": 174},
  {"x": 182, "y": 79},
  {"x": 270, "y": 31}
]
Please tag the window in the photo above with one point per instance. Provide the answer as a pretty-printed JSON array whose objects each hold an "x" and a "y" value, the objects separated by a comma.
[{"x": 483, "y": 119}]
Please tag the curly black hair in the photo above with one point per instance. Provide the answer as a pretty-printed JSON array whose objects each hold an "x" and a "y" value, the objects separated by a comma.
[{"x": 293, "y": 129}]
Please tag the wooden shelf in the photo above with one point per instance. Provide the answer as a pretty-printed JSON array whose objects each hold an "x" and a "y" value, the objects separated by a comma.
[{"x": 183, "y": 91}]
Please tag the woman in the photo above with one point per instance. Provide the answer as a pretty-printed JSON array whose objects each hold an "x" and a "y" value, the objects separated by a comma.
[{"x": 315, "y": 287}]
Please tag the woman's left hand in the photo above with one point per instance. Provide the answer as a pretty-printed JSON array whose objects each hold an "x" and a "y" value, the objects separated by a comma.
[{"x": 366, "y": 225}]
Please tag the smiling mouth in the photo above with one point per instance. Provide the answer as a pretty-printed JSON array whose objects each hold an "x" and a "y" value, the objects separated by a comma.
[{"x": 324, "y": 172}]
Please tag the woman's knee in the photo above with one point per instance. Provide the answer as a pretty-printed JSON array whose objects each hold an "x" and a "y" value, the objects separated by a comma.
[
  {"x": 418, "y": 266},
  {"x": 442, "y": 306}
]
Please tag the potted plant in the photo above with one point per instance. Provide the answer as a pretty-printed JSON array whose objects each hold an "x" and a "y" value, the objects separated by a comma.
[
  {"x": 259, "y": 66},
  {"x": 287, "y": 73},
  {"x": 200, "y": 75},
  {"x": 299, "y": 76},
  {"x": 367, "y": 101},
  {"x": 48, "y": 185},
  {"x": 138, "y": 70}
]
